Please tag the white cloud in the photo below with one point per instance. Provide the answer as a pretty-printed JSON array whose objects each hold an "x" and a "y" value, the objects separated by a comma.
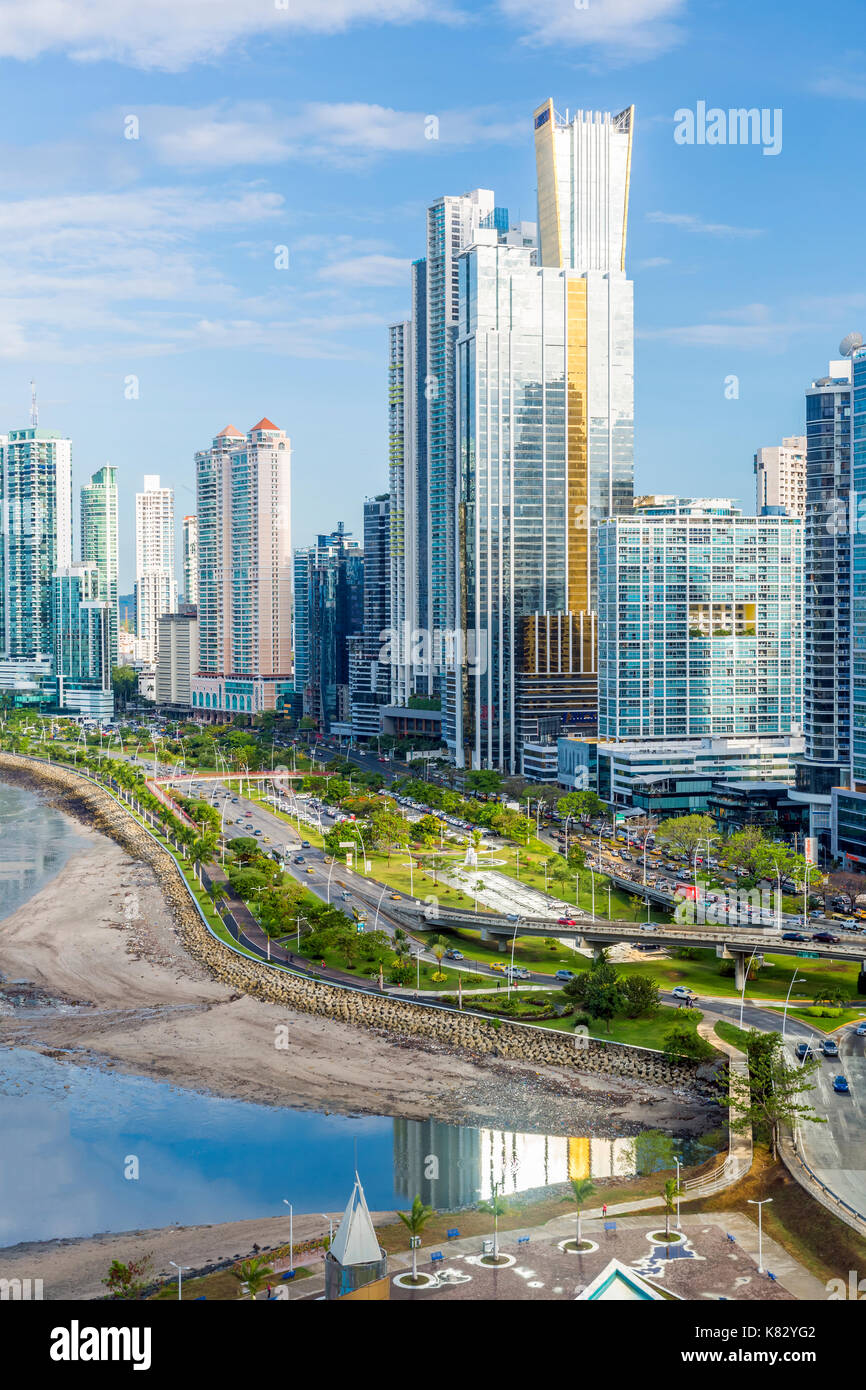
[
  {"x": 374, "y": 270},
  {"x": 227, "y": 134},
  {"x": 172, "y": 34},
  {"x": 624, "y": 29},
  {"x": 653, "y": 262},
  {"x": 845, "y": 80},
  {"x": 691, "y": 223}
]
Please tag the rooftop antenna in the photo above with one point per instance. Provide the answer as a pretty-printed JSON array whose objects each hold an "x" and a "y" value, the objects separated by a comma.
[{"x": 34, "y": 408}]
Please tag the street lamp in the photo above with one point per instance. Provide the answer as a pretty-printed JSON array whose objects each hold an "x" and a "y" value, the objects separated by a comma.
[
  {"x": 759, "y": 1204},
  {"x": 795, "y": 980},
  {"x": 180, "y": 1269},
  {"x": 677, "y": 1162},
  {"x": 287, "y": 1203},
  {"x": 513, "y": 943},
  {"x": 330, "y": 1227},
  {"x": 745, "y": 981}
]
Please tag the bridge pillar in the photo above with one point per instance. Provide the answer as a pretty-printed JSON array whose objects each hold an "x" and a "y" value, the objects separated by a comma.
[
  {"x": 740, "y": 959},
  {"x": 598, "y": 949},
  {"x": 861, "y": 979}
]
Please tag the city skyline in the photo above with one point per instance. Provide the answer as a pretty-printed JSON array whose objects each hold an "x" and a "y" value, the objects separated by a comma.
[{"x": 188, "y": 310}]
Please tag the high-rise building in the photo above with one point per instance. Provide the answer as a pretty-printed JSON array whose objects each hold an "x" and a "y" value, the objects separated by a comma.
[
  {"x": 700, "y": 625},
  {"x": 243, "y": 485},
  {"x": 82, "y": 641},
  {"x": 177, "y": 658},
  {"x": 329, "y": 610},
  {"x": 780, "y": 478},
  {"x": 35, "y": 539},
  {"x": 545, "y": 438},
  {"x": 404, "y": 538},
  {"x": 100, "y": 543},
  {"x": 190, "y": 559},
  {"x": 827, "y": 597},
  {"x": 369, "y": 655},
  {"x": 155, "y": 583},
  {"x": 848, "y": 797}
]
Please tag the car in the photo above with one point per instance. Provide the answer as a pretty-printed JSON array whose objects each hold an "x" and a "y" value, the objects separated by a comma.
[
  {"x": 860, "y": 1030},
  {"x": 683, "y": 992},
  {"x": 309, "y": 871},
  {"x": 345, "y": 895},
  {"x": 454, "y": 955},
  {"x": 794, "y": 936},
  {"x": 257, "y": 832},
  {"x": 645, "y": 946},
  {"x": 804, "y": 1051},
  {"x": 563, "y": 975},
  {"x": 566, "y": 921},
  {"x": 517, "y": 972},
  {"x": 513, "y": 917},
  {"x": 647, "y": 926},
  {"x": 499, "y": 967},
  {"x": 683, "y": 875},
  {"x": 395, "y": 897},
  {"x": 840, "y": 1084},
  {"x": 299, "y": 859},
  {"x": 305, "y": 844},
  {"x": 830, "y": 1048},
  {"x": 826, "y": 937}
]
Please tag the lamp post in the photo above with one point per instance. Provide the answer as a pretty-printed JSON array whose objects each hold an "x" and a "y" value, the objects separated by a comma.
[
  {"x": 180, "y": 1269},
  {"x": 677, "y": 1162},
  {"x": 759, "y": 1204},
  {"x": 330, "y": 1227},
  {"x": 795, "y": 980},
  {"x": 330, "y": 871},
  {"x": 378, "y": 905},
  {"x": 287, "y": 1203},
  {"x": 511, "y": 971},
  {"x": 592, "y": 880},
  {"x": 745, "y": 981}
]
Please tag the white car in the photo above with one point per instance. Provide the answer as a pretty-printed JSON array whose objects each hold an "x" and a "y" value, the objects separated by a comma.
[{"x": 682, "y": 992}]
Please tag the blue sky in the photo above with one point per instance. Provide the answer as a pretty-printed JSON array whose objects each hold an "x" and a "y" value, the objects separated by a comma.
[{"x": 261, "y": 126}]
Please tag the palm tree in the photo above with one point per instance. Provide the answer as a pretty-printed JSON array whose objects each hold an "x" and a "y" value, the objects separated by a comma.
[
  {"x": 495, "y": 1207},
  {"x": 254, "y": 1273},
  {"x": 582, "y": 1189},
  {"x": 415, "y": 1221},
  {"x": 438, "y": 947},
  {"x": 670, "y": 1200}
]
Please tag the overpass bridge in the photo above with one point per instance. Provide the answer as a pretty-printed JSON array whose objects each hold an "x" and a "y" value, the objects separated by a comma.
[{"x": 733, "y": 942}]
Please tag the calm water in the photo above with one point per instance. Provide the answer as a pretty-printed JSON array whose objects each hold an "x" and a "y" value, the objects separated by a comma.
[{"x": 84, "y": 1151}]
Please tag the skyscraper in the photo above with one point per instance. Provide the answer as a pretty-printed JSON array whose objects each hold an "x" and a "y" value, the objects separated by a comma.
[
  {"x": 780, "y": 477},
  {"x": 848, "y": 797},
  {"x": 82, "y": 641},
  {"x": 243, "y": 485},
  {"x": 545, "y": 438},
  {"x": 370, "y": 677},
  {"x": 155, "y": 583},
  {"x": 190, "y": 559},
  {"x": 700, "y": 624},
  {"x": 827, "y": 597},
  {"x": 404, "y": 538},
  {"x": 329, "y": 599},
  {"x": 99, "y": 542},
  {"x": 35, "y": 539}
]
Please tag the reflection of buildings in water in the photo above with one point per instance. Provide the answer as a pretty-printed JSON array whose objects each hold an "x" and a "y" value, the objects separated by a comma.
[
  {"x": 451, "y": 1166},
  {"x": 28, "y": 848},
  {"x": 439, "y": 1162}
]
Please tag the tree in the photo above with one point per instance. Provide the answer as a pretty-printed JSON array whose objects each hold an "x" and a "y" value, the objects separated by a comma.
[
  {"x": 254, "y": 1274},
  {"x": 124, "y": 683},
  {"x": 438, "y": 947},
  {"x": 127, "y": 1281},
  {"x": 582, "y": 1188},
  {"x": 771, "y": 1095},
  {"x": 415, "y": 1221},
  {"x": 682, "y": 1041},
  {"x": 495, "y": 1206},
  {"x": 670, "y": 1201},
  {"x": 483, "y": 780},
  {"x": 641, "y": 995},
  {"x": 846, "y": 885},
  {"x": 245, "y": 848},
  {"x": 685, "y": 833},
  {"x": 603, "y": 996}
]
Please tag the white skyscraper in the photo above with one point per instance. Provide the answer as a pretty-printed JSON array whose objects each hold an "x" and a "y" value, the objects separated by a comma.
[
  {"x": 190, "y": 559},
  {"x": 780, "y": 478},
  {"x": 155, "y": 583}
]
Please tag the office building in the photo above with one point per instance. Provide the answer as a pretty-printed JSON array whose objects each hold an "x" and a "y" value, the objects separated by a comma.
[
  {"x": 848, "y": 797},
  {"x": 82, "y": 641},
  {"x": 700, "y": 625},
  {"x": 369, "y": 650},
  {"x": 100, "y": 542},
  {"x": 329, "y": 610},
  {"x": 403, "y": 401},
  {"x": 35, "y": 541},
  {"x": 243, "y": 485},
  {"x": 155, "y": 583},
  {"x": 177, "y": 658},
  {"x": 780, "y": 478},
  {"x": 827, "y": 598},
  {"x": 190, "y": 559}
]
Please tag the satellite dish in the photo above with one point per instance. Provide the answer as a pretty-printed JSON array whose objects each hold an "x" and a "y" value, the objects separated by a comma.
[{"x": 850, "y": 343}]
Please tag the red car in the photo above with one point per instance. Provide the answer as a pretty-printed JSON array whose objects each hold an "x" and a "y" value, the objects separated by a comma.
[{"x": 566, "y": 922}]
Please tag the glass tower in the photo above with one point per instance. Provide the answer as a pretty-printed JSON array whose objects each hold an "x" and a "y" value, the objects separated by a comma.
[
  {"x": 35, "y": 538},
  {"x": 99, "y": 541}
]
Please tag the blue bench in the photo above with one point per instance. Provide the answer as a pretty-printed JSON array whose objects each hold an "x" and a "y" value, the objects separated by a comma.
[
  {"x": 453, "y": 1234},
  {"x": 523, "y": 1240},
  {"x": 730, "y": 1238},
  {"x": 610, "y": 1225},
  {"x": 437, "y": 1257},
  {"x": 289, "y": 1274},
  {"x": 771, "y": 1276}
]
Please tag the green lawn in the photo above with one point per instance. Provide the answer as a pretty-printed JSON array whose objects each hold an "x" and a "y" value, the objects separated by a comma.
[
  {"x": 771, "y": 983},
  {"x": 730, "y": 1033},
  {"x": 637, "y": 1032},
  {"x": 829, "y": 1025}
]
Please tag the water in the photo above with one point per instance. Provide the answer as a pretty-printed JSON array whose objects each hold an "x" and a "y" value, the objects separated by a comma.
[{"x": 82, "y": 1150}]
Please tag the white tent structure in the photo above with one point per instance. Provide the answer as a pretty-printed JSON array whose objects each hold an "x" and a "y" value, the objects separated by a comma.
[{"x": 355, "y": 1242}]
